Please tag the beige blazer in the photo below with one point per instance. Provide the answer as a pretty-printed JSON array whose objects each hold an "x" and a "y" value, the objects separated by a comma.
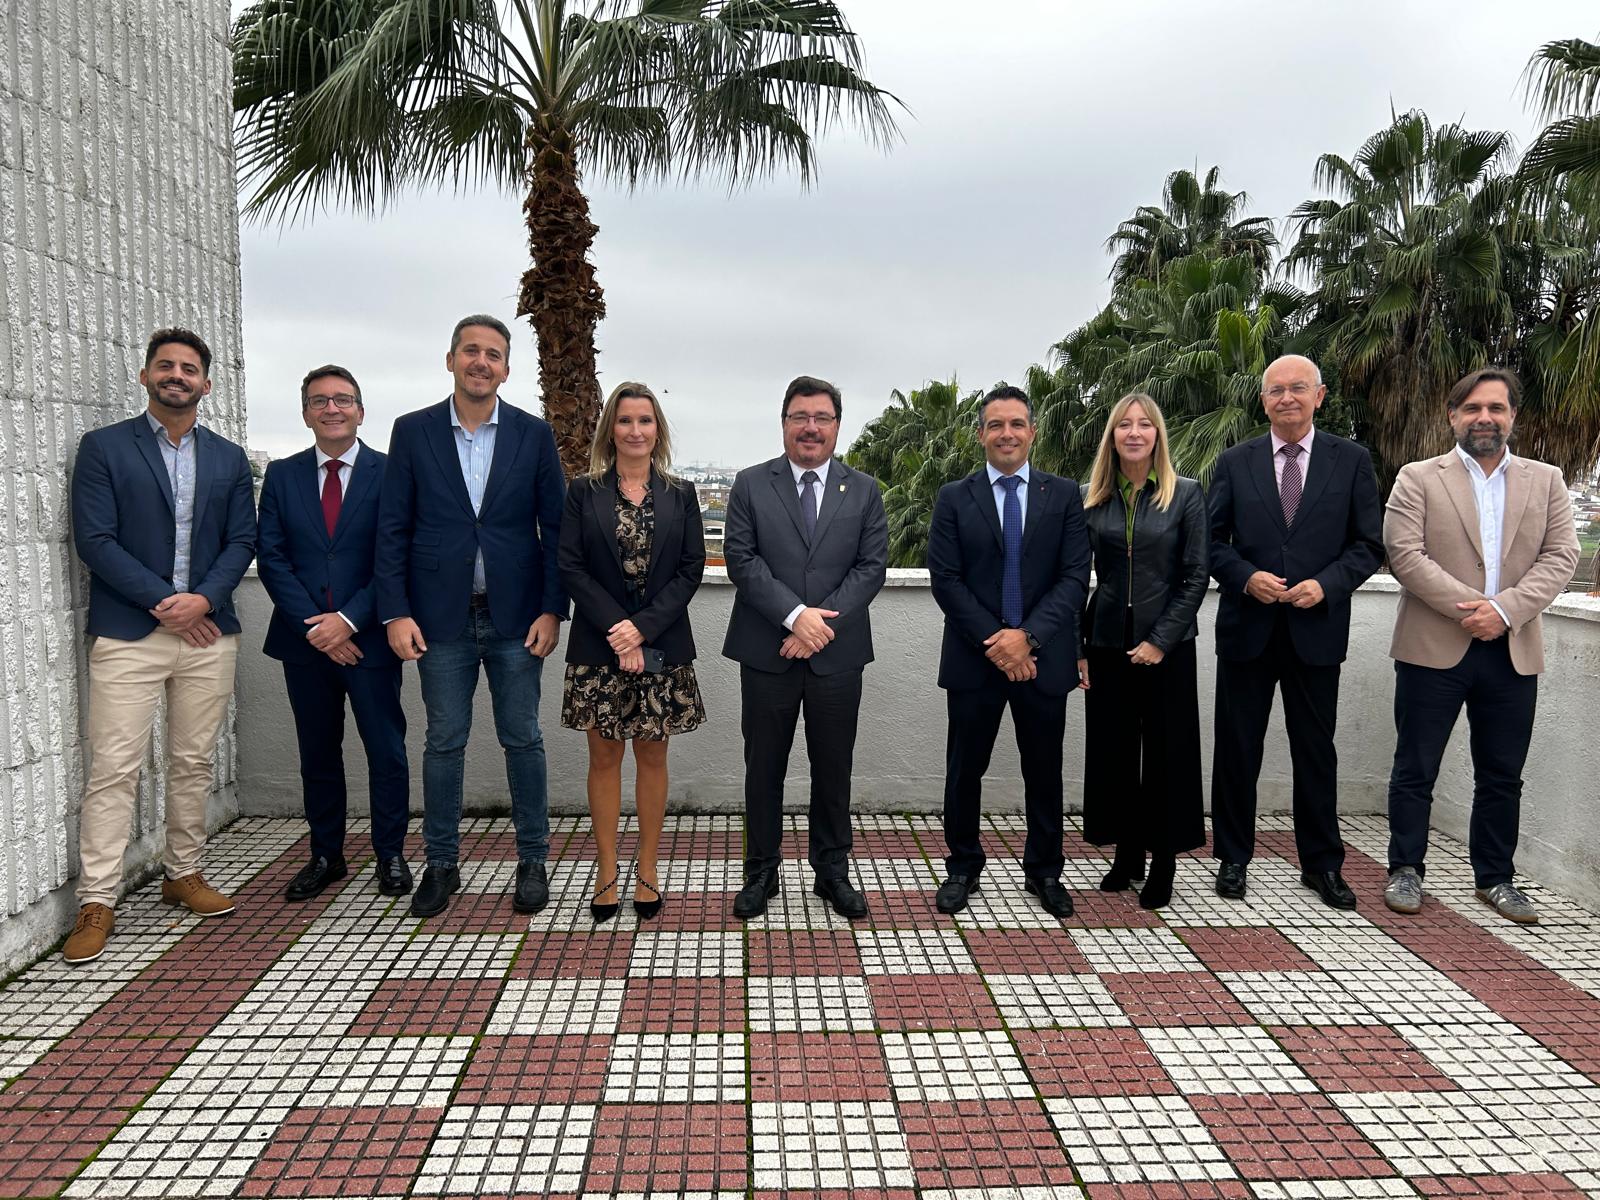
[{"x": 1430, "y": 531}]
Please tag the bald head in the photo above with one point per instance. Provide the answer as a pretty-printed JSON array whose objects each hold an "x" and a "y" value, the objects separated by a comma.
[{"x": 1291, "y": 393}]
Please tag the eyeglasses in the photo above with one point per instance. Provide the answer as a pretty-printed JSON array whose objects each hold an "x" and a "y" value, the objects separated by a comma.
[
  {"x": 342, "y": 400},
  {"x": 820, "y": 420},
  {"x": 1298, "y": 390}
]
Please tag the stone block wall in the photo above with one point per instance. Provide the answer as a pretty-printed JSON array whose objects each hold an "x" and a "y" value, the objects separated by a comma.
[{"x": 117, "y": 216}]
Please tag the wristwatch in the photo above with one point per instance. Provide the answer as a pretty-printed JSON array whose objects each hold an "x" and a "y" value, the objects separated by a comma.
[{"x": 1033, "y": 642}]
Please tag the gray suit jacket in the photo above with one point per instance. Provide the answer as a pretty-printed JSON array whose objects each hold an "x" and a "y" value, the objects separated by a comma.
[{"x": 774, "y": 569}]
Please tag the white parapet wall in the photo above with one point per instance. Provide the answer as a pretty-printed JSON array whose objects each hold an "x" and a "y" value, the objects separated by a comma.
[
  {"x": 117, "y": 216},
  {"x": 899, "y": 759}
]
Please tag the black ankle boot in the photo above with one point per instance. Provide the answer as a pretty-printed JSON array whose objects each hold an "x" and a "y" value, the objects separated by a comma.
[
  {"x": 1127, "y": 866},
  {"x": 1157, "y": 890}
]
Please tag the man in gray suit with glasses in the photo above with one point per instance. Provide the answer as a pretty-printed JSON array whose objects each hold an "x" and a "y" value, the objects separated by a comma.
[{"x": 806, "y": 544}]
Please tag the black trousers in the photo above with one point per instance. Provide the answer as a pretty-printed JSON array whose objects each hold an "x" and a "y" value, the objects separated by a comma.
[
  {"x": 1141, "y": 766},
  {"x": 317, "y": 693},
  {"x": 771, "y": 703},
  {"x": 1040, "y": 723},
  {"x": 1500, "y": 705},
  {"x": 1310, "y": 710}
]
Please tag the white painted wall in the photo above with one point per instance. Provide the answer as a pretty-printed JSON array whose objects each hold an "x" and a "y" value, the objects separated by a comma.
[{"x": 117, "y": 216}]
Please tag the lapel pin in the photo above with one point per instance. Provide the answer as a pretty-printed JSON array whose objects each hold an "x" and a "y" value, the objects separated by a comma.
[{"x": 841, "y": 487}]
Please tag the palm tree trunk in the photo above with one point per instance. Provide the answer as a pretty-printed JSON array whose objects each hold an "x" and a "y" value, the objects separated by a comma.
[{"x": 560, "y": 293}]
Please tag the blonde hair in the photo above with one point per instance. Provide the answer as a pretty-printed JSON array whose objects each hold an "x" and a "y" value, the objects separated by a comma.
[
  {"x": 603, "y": 450},
  {"x": 1103, "y": 475}
]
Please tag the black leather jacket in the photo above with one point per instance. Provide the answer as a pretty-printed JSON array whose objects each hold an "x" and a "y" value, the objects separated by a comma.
[{"x": 1166, "y": 573}]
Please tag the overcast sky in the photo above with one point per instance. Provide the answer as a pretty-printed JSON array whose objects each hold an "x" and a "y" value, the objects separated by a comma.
[{"x": 1034, "y": 126}]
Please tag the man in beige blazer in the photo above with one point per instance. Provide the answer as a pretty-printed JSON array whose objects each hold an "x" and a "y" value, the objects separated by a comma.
[{"x": 1481, "y": 542}]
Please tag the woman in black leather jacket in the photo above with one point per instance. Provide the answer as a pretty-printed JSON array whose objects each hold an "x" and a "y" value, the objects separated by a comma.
[{"x": 1148, "y": 529}]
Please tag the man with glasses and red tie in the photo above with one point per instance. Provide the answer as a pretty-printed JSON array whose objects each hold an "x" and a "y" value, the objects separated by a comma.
[
  {"x": 319, "y": 523},
  {"x": 1296, "y": 528}
]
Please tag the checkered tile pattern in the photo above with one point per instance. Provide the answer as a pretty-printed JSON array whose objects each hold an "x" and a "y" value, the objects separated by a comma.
[{"x": 1257, "y": 1051}]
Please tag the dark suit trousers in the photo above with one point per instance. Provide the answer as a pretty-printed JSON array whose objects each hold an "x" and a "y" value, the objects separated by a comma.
[
  {"x": 1040, "y": 722},
  {"x": 772, "y": 702},
  {"x": 1310, "y": 711},
  {"x": 316, "y": 695},
  {"x": 1500, "y": 705}
]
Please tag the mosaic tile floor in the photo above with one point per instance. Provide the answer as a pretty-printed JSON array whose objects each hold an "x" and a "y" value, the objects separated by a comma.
[{"x": 1271, "y": 1049}]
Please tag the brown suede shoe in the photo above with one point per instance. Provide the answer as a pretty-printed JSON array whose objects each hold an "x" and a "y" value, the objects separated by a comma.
[
  {"x": 195, "y": 894},
  {"x": 88, "y": 938}
]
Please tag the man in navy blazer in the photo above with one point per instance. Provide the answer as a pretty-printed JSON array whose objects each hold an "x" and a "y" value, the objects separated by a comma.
[
  {"x": 1295, "y": 529},
  {"x": 319, "y": 532},
  {"x": 1013, "y": 647},
  {"x": 467, "y": 576},
  {"x": 162, "y": 515}
]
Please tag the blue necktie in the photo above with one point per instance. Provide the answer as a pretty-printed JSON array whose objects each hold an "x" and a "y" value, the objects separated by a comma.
[
  {"x": 808, "y": 505},
  {"x": 1011, "y": 536}
]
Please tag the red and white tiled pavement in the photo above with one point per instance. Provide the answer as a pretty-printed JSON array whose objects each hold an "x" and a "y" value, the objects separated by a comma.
[{"x": 1274, "y": 1048}]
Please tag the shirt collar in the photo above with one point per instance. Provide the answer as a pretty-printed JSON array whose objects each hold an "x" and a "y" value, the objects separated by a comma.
[
  {"x": 348, "y": 458},
  {"x": 455, "y": 417},
  {"x": 161, "y": 430},
  {"x": 1474, "y": 468},
  {"x": 797, "y": 470},
  {"x": 1125, "y": 485},
  {"x": 995, "y": 475},
  {"x": 1304, "y": 443}
]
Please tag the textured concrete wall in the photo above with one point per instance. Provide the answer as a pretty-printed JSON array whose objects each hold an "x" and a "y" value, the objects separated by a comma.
[
  {"x": 900, "y": 751},
  {"x": 117, "y": 216}
]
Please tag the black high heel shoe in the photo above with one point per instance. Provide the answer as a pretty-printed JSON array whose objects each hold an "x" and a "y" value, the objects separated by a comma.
[
  {"x": 647, "y": 909},
  {"x": 603, "y": 912}
]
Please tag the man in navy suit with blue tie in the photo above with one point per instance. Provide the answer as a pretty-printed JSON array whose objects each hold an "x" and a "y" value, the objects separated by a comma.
[
  {"x": 319, "y": 529},
  {"x": 467, "y": 578}
]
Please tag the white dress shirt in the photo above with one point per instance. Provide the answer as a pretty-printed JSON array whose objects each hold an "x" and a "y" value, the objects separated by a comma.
[
  {"x": 800, "y": 491},
  {"x": 1489, "y": 494},
  {"x": 348, "y": 458},
  {"x": 995, "y": 476},
  {"x": 1279, "y": 458}
]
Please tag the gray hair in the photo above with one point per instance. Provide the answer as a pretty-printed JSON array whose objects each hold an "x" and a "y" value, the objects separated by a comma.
[{"x": 1315, "y": 370}]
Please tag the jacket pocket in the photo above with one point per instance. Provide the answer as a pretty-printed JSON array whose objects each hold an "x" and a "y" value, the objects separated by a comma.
[
  {"x": 424, "y": 562},
  {"x": 424, "y": 539}
]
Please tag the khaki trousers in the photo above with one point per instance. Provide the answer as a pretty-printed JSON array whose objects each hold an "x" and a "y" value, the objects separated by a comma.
[{"x": 126, "y": 680}]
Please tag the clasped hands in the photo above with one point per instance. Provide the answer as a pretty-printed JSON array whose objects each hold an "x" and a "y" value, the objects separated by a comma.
[
  {"x": 1008, "y": 650},
  {"x": 187, "y": 614},
  {"x": 627, "y": 642},
  {"x": 809, "y": 633},
  {"x": 1481, "y": 620},
  {"x": 1274, "y": 589}
]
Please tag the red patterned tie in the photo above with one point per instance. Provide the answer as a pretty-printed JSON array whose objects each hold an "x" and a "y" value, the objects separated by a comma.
[
  {"x": 1291, "y": 483},
  {"x": 332, "y": 498}
]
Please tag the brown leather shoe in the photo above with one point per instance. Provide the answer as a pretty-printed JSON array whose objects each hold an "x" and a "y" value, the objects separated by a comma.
[
  {"x": 195, "y": 894},
  {"x": 88, "y": 938}
]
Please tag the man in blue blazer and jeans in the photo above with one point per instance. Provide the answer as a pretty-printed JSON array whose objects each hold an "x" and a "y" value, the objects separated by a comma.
[
  {"x": 163, "y": 517},
  {"x": 319, "y": 530},
  {"x": 466, "y": 575}
]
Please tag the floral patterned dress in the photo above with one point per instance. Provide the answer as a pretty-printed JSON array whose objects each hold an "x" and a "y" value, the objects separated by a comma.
[{"x": 621, "y": 705}]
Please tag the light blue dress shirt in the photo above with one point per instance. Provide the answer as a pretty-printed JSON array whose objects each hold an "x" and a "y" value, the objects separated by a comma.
[
  {"x": 999, "y": 494},
  {"x": 475, "y": 450},
  {"x": 180, "y": 474}
]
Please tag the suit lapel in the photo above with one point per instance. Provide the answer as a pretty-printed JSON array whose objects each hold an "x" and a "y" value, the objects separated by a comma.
[
  {"x": 788, "y": 495},
  {"x": 145, "y": 438},
  {"x": 1264, "y": 473},
  {"x": 834, "y": 493},
  {"x": 983, "y": 497},
  {"x": 362, "y": 476},
  {"x": 664, "y": 498},
  {"x": 1459, "y": 489},
  {"x": 603, "y": 500},
  {"x": 1324, "y": 452},
  {"x": 205, "y": 470},
  {"x": 507, "y": 444},
  {"x": 1038, "y": 489},
  {"x": 442, "y": 438},
  {"x": 1518, "y": 493},
  {"x": 304, "y": 481}
]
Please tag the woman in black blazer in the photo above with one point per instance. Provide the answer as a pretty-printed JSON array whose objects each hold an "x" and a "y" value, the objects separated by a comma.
[
  {"x": 1151, "y": 543},
  {"x": 632, "y": 554}
]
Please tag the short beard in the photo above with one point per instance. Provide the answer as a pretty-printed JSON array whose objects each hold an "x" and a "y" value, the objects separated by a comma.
[
  {"x": 167, "y": 402},
  {"x": 1473, "y": 442}
]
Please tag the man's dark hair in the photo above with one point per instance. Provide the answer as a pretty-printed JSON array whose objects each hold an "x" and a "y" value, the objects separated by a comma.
[
  {"x": 810, "y": 385},
  {"x": 333, "y": 370},
  {"x": 1005, "y": 392},
  {"x": 484, "y": 319},
  {"x": 1468, "y": 383},
  {"x": 183, "y": 337}
]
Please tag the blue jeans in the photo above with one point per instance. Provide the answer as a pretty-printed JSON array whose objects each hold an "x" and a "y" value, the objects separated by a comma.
[{"x": 449, "y": 672}]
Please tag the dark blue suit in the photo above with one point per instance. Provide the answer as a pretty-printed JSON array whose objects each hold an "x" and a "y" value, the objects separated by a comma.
[
  {"x": 303, "y": 568},
  {"x": 428, "y": 536},
  {"x": 966, "y": 563},
  {"x": 119, "y": 486}
]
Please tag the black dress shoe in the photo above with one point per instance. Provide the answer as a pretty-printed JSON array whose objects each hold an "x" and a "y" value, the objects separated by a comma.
[
  {"x": 1157, "y": 891},
  {"x": 1331, "y": 887},
  {"x": 314, "y": 877},
  {"x": 647, "y": 910},
  {"x": 394, "y": 877},
  {"x": 953, "y": 892},
  {"x": 533, "y": 888},
  {"x": 1230, "y": 881},
  {"x": 1053, "y": 898},
  {"x": 753, "y": 896},
  {"x": 846, "y": 901},
  {"x": 434, "y": 892}
]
